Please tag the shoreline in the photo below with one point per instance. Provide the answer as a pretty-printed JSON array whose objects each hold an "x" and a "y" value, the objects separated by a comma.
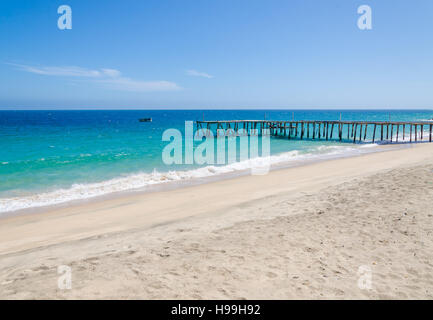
[
  {"x": 299, "y": 232},
  {"x": 182, "y": 183},
  {"x": 152, "y": 201},
  {"x": 295, "y": 233}
]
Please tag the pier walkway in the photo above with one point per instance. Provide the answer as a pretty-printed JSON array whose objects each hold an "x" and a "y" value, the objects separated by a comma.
[{"x": 354, "y": 131}]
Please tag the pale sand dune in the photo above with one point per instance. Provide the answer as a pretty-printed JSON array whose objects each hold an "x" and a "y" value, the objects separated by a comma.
[{"x": 294, "y": 233}]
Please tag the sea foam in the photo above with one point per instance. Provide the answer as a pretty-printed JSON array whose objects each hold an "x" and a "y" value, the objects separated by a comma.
[{"x": 141, "y": 180}]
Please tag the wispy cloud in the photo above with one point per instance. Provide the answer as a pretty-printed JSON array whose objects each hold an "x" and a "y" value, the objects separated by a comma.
[
  {"x": 195, "y": 73},
  {"x": 111, "y": 78},
  {"x": 127, "y": 84},
  {"x": 113, "y": 73},
  {"x": 59, "y": 71}
]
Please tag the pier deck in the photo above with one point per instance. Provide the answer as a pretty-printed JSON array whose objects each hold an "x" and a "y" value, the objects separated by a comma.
[{"x": 355, "y": 131}]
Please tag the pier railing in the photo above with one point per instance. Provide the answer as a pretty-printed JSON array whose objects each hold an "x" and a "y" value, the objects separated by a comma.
[{"x": 354, "y": 131}]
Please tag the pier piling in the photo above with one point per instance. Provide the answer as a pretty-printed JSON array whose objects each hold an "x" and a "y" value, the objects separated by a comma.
[{"x": 320, "y": 129}]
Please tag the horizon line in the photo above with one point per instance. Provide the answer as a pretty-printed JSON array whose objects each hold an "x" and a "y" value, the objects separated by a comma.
[{"x": 211, "y": 109}]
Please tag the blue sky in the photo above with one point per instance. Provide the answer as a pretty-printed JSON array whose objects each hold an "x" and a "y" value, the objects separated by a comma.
[{"x": 216, "y": 54}]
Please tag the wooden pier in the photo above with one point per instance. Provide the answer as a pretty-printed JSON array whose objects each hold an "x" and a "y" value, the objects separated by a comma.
[{"x": 354, "y": 131}]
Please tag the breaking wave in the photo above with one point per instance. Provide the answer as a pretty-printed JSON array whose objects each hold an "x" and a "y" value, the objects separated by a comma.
[{"x": 142, "y": 180}]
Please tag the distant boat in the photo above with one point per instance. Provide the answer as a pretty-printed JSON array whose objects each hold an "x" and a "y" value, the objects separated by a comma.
[{"x": 145, "y": 120}]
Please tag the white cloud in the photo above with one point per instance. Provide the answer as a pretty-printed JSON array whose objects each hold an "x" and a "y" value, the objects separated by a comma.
[
  {"x": 127, "y": 84},
  {"x": 60, "y": 71},
  {"x": 108, "y": 77},
  {"x": 111, "y": 72},
  {"x": 196, "y": 73}
]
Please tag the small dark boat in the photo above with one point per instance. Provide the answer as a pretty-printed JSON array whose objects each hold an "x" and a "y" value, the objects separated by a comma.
[{"x": 145, "y": 120}]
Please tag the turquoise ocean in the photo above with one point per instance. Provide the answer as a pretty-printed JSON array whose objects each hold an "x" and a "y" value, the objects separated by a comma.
[{"x": 52, "y": 157}]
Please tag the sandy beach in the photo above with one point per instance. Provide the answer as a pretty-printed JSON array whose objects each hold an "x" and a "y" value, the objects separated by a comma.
[{"x": 310, "y": 232}]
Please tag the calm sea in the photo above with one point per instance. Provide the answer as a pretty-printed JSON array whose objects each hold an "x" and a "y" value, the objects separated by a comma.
[{"x": 50, "y": 157}]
